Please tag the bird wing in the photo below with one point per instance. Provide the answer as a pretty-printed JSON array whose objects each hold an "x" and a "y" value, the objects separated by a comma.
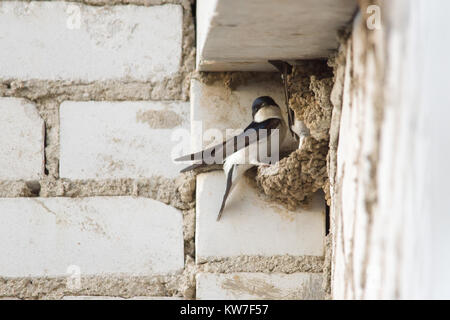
[{"x": 216, "y": 154}]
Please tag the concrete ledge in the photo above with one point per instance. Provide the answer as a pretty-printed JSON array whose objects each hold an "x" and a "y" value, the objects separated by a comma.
[{"x": 236, "y": 35}]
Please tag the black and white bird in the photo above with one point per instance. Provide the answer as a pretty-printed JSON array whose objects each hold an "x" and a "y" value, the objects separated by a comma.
[
  {"x": 297, "y": 127},
  {"x": 242, "y": 152}
]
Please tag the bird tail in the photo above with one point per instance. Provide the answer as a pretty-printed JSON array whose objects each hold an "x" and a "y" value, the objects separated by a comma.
[{"x": 227, "y": 191}]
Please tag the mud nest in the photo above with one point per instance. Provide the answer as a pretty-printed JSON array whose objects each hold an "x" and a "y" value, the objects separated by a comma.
[{"x": 293, "y": 180}]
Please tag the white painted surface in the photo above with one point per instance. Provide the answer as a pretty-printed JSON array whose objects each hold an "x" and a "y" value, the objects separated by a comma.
[
  {"x": 102, "y": 140},
  {"x": 417, "y": 115},
  {"x": 243, "y": 35},
  {"x": 103, "y": 235},
  {"x": 402, "y": 252},
  {"x": 56, "y": 40},
  {"x": 21, "y": 140},
  {"x": 252, "y": 226},
  {"x": 434, "y": 139},
  {"x": 205, "y": 13},
  {"x": 275, "y": 286}
]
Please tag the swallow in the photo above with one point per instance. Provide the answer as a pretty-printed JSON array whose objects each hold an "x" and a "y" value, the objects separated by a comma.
[
  {"x": 242, "y": 152},
  {"x": 297, "y": 128},
  {"x": 285, "y": 68}
]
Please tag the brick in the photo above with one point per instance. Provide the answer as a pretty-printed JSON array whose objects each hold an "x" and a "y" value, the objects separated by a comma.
[
  {"x": 21, "y": 140},
  {"x": 102, "y": 236},
  {"x": 103, "y": 140},
  {"x": 56, "y": 40},
  {"x": 251, "y": 225},
  {"x": 275, "y": 286}
]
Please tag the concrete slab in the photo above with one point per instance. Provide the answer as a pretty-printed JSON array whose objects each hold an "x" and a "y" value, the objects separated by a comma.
[{"x": 236, "y": 35}]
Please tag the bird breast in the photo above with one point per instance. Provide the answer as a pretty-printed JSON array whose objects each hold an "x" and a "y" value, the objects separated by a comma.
[{"x": 268, "y": 112}]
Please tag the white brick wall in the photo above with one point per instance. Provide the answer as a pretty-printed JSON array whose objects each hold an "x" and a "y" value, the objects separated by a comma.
[
  {"x": 21, "y": 140},
  {"x": 247, "y": 286},
  {"x": 56, "y": 40},
  {"x": 103, "y": 235},
  {"x": 103, "y": 140},
  {"x": 123, "y": 236},
  {"x": 251, "y": 225}
]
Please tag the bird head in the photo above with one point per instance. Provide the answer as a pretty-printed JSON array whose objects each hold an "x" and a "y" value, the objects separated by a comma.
[
  {"x": 262, "y": 102},
  {"x": 264, "y": 108}
]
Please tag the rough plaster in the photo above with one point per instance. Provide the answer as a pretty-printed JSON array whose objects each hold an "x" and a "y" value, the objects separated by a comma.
[
  {"x": 181, "y": 285},
  {"x": 284, "y": 264},
  {"x": 392, "y": 159},
  {"x": 338, "y": 63},
  {"x": 177, "y": 192},
  {"x": 358, "y": 111},
  {"x": 232, "y": 80}
]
